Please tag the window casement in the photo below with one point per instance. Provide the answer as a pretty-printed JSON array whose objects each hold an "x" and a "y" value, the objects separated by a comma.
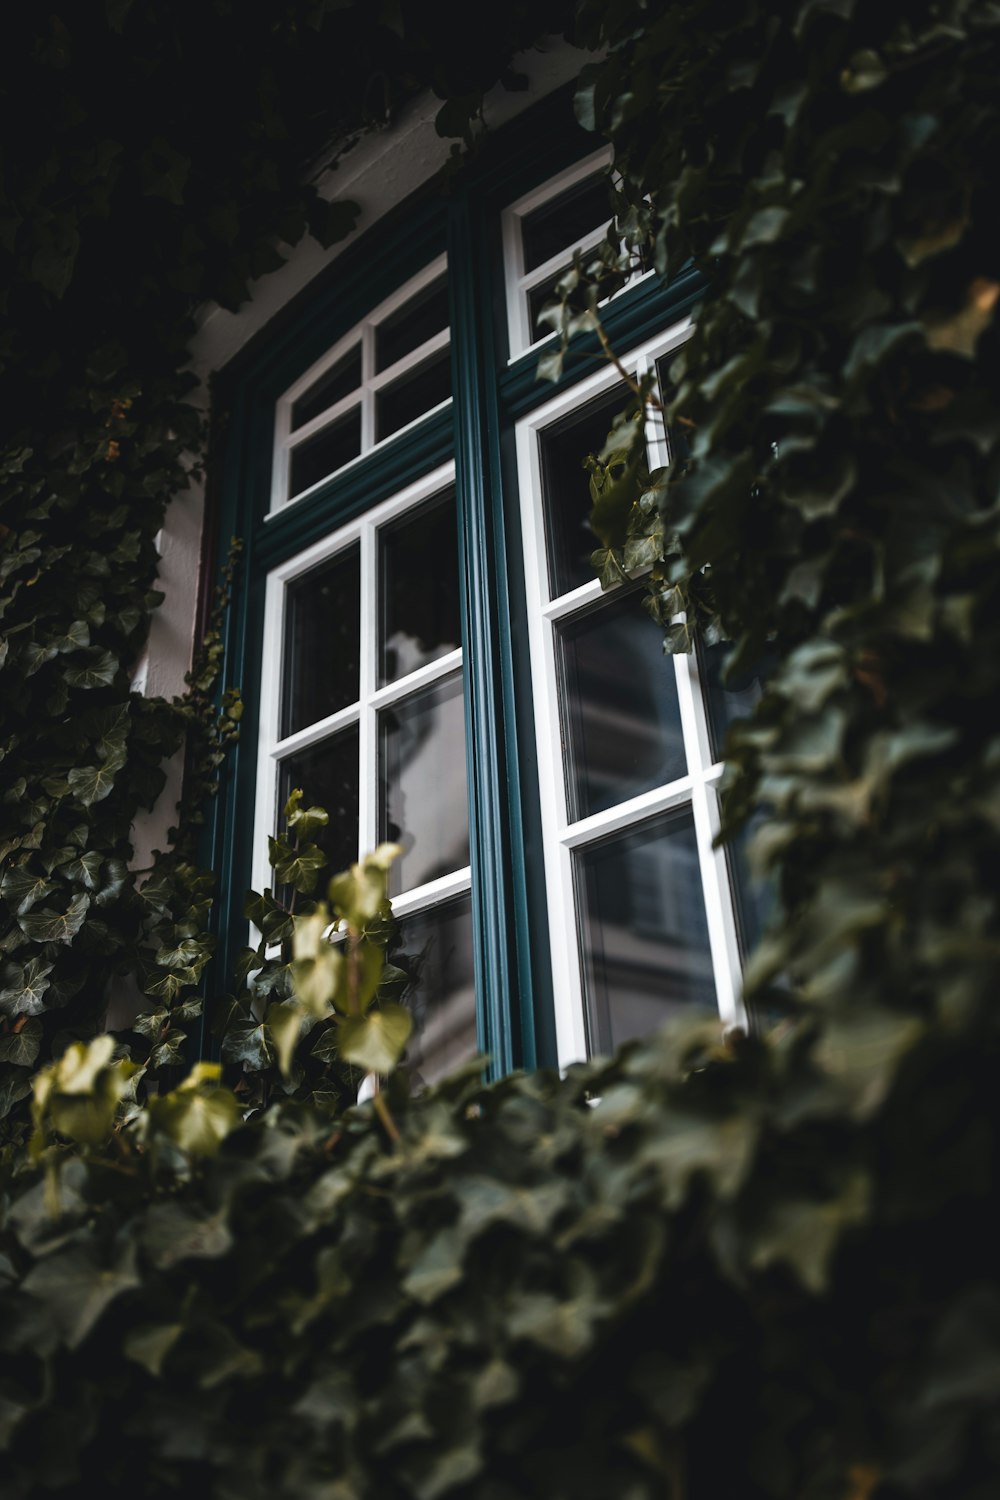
[
  {"x": 641, "y": 914},
  {"x": 437, "y": 662},
  {"x": 361, "y": 705},
  {"x": 541, "y": 230},
  {"x": 390, "y": 371}
]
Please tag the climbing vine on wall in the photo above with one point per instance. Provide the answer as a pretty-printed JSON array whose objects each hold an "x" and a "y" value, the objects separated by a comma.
[{"x": 788, "y": 1239}]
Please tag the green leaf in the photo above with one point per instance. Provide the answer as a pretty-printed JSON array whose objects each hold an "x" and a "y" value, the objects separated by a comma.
[
  {"x": 48, "y": 926},
  {"x": 100, "y": 671},
  {"x": 150, "y": 1343},
  {"x": 197, "y": 1115},
  {"x": 22, "y": 888},
  {"x": 284, "y": 1022},
  {"x": 248, "y": 1042},
  {"x": 76, "y": 1288},
  {"x": 175, "y": 1231},
  {"x": 24, "y": 987},
  {"x": 90, "y": 784},
  {"x": 804, "y": 1233},
  {"x": 377, "y": 1041},
  {"x": 21, "y": 1047}
]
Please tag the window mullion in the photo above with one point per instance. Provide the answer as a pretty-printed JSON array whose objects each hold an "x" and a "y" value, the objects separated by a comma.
[{"x": 367, "y": 724}]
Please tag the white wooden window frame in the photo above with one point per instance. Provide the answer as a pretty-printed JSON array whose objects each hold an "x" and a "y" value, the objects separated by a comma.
[
  {"x": 698, "y": 789},
  {"x": 362, "y": 336},
  {"x": 520, "y": 283},
  {"x": 273, "y": 748}
]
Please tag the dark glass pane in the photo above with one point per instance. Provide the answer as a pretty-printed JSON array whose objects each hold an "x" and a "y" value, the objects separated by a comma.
[
  {"x": 565, "y": 220},
  {"x": 328, "y": 451},
  {"x": 677, "y": 433},
  {"x": 621, "y": 722},
  {"x": 644, "y": 937},
  {"x": 435, "y": 950},
  {"x": 412, "y": 395},
  {"x": 419, "y": 584},
  {"x": 322, "y": 627},
  {"x": 753, "y": 898},
  {"x": 566, "y": 489},
  {"x": 419, "y": 320},
  {"x": 422, "y": 798},
  {"x": 537, "y": 298},
  {"x": 727, "y": 697},
  {"x": 328, "y": 776},
  {"x": 339, "y": 381}
]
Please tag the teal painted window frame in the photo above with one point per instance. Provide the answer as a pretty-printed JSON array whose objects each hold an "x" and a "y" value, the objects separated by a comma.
[{"x": 510, "y": 939}]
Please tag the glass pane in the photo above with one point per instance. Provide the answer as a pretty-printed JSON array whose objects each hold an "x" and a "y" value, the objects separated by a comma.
[
  {"x": 621, "y": 720},
  {"x": 544, "y": 292},
  {"x": 727, "y": 698},
  {"x": 677, "y": 433},
  {"x": 323, "y": 454},
  {"x": 644, "y": 937},
  {"x": 566, "y": 489},
  {"x": 419, "y": 583},
  {"x": 422, "y": 798},
  {"x": 322, "y": 628},
  {"x": 328, "y": 776},
  {"x": 412, "y": 395},
  {"x": 565, "y": 220},
  {"x": 339, "y": 381},
  {"x": 419, "y": 320},
  {"x": 753, "y": 899},
  {"x": 435, "y": 949}
]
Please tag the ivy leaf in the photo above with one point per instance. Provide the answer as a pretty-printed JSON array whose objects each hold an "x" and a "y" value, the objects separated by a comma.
[
  {"x": 85, "y": 869},
  {"x": 48, "y": 926},
  {"x": 22, "y": 888},
  {"x": 197, "y": 1115},
  {"x": 90, "y": 784},
  {"x": 21, "y": 1046},
  {"x": 377, "y": 1041},
  {"x": 248, "y": 1042},
  {"x": 150, "y": 1344},
  {"x": 75, "y": 637},
  {"x": 24, "y": 988},
  {"x": 170, "y": 1052},
  {"x": 175, "y": 1231},
  {"x": 14, "y": 1087},
  {"x": 76, "y": 1288},
  {"x": 297, "y": 868},
  {"x": 284, "y": 1022},
  {"x": 99, "y": 671}
]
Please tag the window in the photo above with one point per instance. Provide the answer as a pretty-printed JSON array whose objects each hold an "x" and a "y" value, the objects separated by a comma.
[
  {"x": 391, "y": 370},
  {"x": 437, "y": 662},
  {"x": 640, "y": 912}
]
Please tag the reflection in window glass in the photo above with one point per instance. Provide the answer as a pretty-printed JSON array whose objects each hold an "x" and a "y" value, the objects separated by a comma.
[
  {"x": 566, "y": 489},
  {"x": 419, "y": 584},
  {"x": 728, "y": 696},
  {"x": 435, "y": 950},
  {"x": 565, "y": 220},
  {"x": 328, "y": 451},
  {"x": 322, "y": 625},
  {"x": 419, "y": 320},
  {"x": 328, "y": 776},
  {"x": 412, "y": 395},
  {"x": 423, "y": 803},
  {"x": 621, "y": 720},
  {"x": 644, "y": 937},
  {"x": 336, "y": 383}
]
